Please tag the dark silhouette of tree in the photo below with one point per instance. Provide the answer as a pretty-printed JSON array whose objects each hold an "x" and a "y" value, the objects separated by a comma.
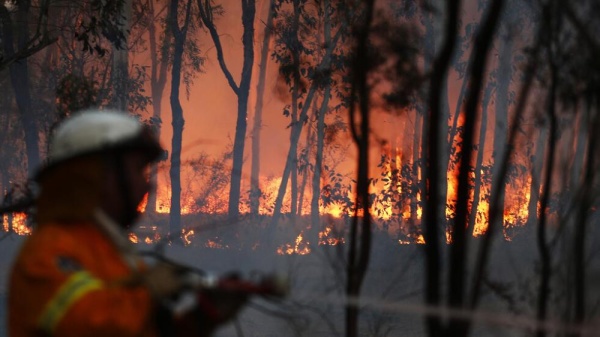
[
  {"x": 431, "y": 153},
  {"x": 458, "y": 251},
  {"x": 20, "y": 75},
  {"x": 179, "y": 32},
  {"x": 242, "y": 91},
  {"x": 305, "y": 78},
  {"x": 359, "y": 249},
  {"x": 28, "y": 45},
  {"x": 255, "y": 191},
  {"x": 159, "y": 58}
]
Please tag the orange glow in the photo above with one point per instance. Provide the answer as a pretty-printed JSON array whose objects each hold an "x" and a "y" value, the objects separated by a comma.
[
  {"x": 214, "y": 244},
  {"x": 299, "y": 247},
  {"x": 187, "y": 236},
  {"x": 133, "y": 238},
  {"x": 516, "y": 209},
  {"x": 19, "y": 224},
  {"x": 326, "y": 238}
]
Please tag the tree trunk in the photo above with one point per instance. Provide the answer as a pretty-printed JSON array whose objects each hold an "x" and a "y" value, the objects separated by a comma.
[
  {"x": 315, "y": 215},
  {"x": 291, "y": 159},
  {"x": 479, "y": 161},
  {"x": 119, "y": 75},
  {"x": 179, "y": 37},
  {"x": 459, "y": 247},
  {"x": 543, "y": 247},
  {"x": 501, "y": 123},
  {"x": 255, "y": 192},
  {"x": 536, "y": 173},
  {"x": 158, "y": 80},
  {"x": 248, "y": 10},
  {"x": 359, "y": 245},
  {"x": 302, "y": 189},
  {"x": 296, "y": 128},
  {"x": 417, "y": 171},
  {"x": 432, "y": 212},
  {"x": 242, "y": 91},
  {"x": 19, "y": 76}
]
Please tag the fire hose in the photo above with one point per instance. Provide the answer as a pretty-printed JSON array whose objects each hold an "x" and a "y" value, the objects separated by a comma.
[{"x": 208, "y": 300}]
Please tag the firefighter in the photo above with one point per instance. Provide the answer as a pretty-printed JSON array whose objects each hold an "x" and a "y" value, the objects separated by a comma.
[{"x": 78, "y": 274}]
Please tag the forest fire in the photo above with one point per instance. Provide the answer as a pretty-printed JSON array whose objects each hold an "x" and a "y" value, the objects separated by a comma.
[{"x": 385, "y": 212}]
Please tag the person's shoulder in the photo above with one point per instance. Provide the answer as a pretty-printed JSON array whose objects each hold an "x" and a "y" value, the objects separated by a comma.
[
  {"x": 57, "y": 236},
  {"x": 55, "y": 245}
]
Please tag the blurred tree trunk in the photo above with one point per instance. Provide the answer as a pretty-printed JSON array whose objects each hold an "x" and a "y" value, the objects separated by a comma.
[
  {"x": 434, "y": 185},
  {"x": 479, "y": 161},
  {"x": 242, "y": 91},
  {"x": 119, "y": 76},
  {"x": 305, "y": 155},
  {"x": 19, "y": 77},
  {"x": 179, "y": 37},
  {"x": 158, "y": 79},
  {"x": 501, "y": 119},
  {"x": 417, "y": 170},
  {"x": 586, "y": 198},
  {"x": 315, "y": 215},
  {"x": 295, "y": 54},
  {"x": 359, "y": 244},
  {"x": 459, "y": 249},
  {"x": 536, "y": 172},
  {"x": 255, "y": 192},
  {"x": 542, "y": 235}
]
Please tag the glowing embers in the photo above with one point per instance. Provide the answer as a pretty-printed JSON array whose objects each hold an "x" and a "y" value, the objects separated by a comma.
[
  {"x": 145, "y": 234},
  {"x": 17, "y": 223},
  {"x": 327, "y": 237},
  {"x": 299, "y": 247}
]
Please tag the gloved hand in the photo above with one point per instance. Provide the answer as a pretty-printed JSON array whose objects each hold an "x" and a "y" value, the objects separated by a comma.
[{"x": 163, "y": 280}]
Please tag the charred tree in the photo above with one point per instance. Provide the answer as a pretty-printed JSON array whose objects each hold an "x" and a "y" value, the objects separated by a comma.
[
  {"x": 359, "y": 244},
  {"x": 179, "y": 38},
  {"x": 242, "y": 90},
  {"x": 459, "y": 247},
  {"x": 432, "y": 210}
]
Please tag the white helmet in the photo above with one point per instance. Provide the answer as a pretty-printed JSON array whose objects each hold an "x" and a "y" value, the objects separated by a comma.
[{"x": 98, "y": 131}]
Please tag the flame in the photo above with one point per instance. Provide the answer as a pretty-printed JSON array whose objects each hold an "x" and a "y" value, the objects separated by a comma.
[
  {"x": 133, "y": 238},
  {"x": 187, "y": 236},
  {"x": 163, "y": 203},
  {"x": 326, "y": 239},
  {"x": 516, "y": 211},
  {"x": 300, "y": 247},
  {"x": 515, "y": 214},
  {"x": 19, "y": 224},
  {"x": 150, "y": 235},
  {"x": 214, "y": 244}
]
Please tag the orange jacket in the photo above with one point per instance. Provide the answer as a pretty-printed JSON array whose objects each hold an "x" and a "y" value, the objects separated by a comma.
[{"x": 71, "y": 280}]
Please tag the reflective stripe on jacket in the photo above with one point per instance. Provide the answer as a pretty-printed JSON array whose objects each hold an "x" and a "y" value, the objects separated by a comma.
[{"x": 71, "y": 280}]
